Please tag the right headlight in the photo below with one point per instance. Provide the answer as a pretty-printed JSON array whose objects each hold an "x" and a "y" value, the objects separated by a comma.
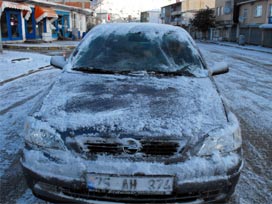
[{"x": 40, "y": 134}]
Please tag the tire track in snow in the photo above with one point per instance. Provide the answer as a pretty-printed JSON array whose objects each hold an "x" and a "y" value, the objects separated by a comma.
[
  {"x": 19, "y": 103},
  {"x": 48, "y": 67}
]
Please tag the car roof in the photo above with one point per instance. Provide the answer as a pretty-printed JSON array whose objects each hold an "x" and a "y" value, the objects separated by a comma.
[{"x": 151, "y": 30}]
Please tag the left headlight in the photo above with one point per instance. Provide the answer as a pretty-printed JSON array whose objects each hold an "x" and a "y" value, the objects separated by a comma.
[{"x": 39, "y": 134}]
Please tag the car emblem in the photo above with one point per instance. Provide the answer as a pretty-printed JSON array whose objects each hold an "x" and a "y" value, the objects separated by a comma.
[{"x": 131, "y": 146}]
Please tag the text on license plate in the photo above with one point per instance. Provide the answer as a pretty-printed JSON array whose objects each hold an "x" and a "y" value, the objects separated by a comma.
[{"x": 130, "y": 184}]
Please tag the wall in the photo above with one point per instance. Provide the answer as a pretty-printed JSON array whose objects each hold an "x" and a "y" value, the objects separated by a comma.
[
  {"x": 251, "y": 18},
  {"x": 154, "y": 17},
  {"x": 220, "y": 9},
  {"x": 76, "y": 3},
  {"x": 189, "y": 5}
]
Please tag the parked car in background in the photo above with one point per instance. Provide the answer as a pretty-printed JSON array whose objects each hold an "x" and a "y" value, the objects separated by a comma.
[{"x": 135, "y": 117}]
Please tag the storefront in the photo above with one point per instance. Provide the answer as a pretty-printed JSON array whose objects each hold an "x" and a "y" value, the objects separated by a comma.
[
  {"x": 12, "y": 15},
  {"x": 20, "y": 21},
  {"x": 62, "y": 25},
  {"x": 44, "y": 17}
]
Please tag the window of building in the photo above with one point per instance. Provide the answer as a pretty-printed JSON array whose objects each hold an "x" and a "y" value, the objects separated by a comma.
[
  {"x": 218, "y": 11},
  {"x": 270, "y": 10},
  {"x": 222, "y": 10},
  {"x": 245, "y": 13},
  {"x": 258, "y": 10}
]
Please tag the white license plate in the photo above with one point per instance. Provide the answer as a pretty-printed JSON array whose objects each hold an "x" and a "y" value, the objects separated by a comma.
[{"x": 130, "y": 184}]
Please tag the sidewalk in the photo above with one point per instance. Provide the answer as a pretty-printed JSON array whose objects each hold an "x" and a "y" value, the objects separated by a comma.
[
  {"x": 245, "y": 47},
  {"x": 54, "y": 45}
]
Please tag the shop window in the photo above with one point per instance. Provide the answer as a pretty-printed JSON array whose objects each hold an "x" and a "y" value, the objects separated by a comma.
[
  {"x": 41, "y": 28},
  {"x": 14, "y": 24},
  {"x": 74, "y": 20},
  {"x": 29, "y": 25}
]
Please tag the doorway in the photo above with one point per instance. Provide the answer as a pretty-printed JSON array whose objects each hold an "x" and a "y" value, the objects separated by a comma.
[{"x": 11, "y": 25}]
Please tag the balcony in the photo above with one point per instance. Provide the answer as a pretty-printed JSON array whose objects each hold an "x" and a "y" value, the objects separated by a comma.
[
  {"x": 270, "y": 20},
  {"x": 176, "y": 13}
]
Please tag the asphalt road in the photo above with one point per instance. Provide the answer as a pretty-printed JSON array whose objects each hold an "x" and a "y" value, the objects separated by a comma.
[{"x": 247, "y": 88}]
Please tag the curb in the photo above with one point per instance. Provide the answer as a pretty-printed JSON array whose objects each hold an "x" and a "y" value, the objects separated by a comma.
[
  {"x": 240, "y": 47},
  {"x": 28, "y": 48}
]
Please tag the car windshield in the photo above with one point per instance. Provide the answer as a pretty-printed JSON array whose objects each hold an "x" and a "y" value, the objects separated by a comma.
[{"x": 141, "y": 48}]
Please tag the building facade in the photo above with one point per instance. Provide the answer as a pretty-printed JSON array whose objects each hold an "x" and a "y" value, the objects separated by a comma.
[
  {"x": 190, "y": 7},
  {"x": 171, "y": 14},
  {"x": 152, "y": 16},
  {"x": 226, "y": 14},
  {"x": 181, "y": 12},
  {"x": 41, "y": 20},
  {"x": 255, "y": 22},
  {"x": 251, "y": 19}
]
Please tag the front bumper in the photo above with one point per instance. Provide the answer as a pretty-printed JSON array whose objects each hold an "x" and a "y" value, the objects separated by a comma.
[{"x": 62, "y": 178}]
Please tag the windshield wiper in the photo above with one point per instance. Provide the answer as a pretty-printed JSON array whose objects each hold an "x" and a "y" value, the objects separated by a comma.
[{"x": 97, "y": 71}]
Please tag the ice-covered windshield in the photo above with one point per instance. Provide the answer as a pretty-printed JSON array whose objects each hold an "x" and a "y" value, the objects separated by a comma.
[{"x": 137, "y": 47}]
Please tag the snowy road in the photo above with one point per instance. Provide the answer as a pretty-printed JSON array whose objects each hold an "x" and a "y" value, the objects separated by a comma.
[{"x": 247, "y": 88}]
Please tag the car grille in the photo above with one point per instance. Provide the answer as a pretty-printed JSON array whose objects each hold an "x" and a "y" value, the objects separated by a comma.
[
  {"x": 209, "y": 196},
  {"x": 148, "y": 148}
]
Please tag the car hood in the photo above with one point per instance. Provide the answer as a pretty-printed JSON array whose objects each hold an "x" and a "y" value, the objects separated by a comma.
[{"x": 140, "y": 105}]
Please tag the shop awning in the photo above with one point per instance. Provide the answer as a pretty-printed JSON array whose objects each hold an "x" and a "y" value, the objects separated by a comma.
[
  {"x": 44, "y": 12},
  {"x": 20, "y": 6}
]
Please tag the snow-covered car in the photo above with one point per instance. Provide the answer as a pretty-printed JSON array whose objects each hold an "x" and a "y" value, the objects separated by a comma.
[{"x": 135, "y": 117}]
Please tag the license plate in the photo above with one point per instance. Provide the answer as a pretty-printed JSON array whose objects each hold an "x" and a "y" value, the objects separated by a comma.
[{"x": 130, "y": 184}]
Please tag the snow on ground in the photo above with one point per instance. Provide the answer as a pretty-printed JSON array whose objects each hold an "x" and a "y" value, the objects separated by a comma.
[
  {"x": 13, "y": 110},
  {"x": 245, "y": 47},
  {"x": 16, "y": 99},
  {"x": 248, "y": 84},
  {"x": 14, "y": 64}
]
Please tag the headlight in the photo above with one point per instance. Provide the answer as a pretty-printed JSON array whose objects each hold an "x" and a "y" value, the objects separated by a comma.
[
  {"x": 40, "y": 134},
  {"x": 223, "y": 140},
  {"x": 223, "y": 144}
]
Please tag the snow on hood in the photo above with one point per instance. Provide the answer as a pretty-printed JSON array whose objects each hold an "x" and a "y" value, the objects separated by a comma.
[{"x": 140, "y": 105}]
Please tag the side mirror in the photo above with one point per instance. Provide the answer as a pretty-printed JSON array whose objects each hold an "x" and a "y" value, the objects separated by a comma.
[
  {"x": 58, "y": 61},
  {"x": 219, "y": 68}
]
